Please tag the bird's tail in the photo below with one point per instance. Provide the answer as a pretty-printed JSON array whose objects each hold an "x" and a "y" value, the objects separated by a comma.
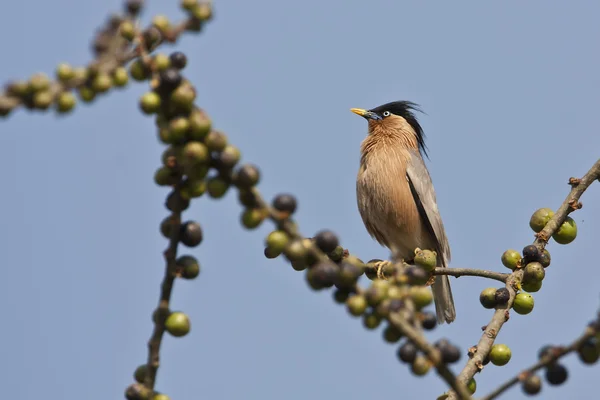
[{"x": 442, "y": 296}]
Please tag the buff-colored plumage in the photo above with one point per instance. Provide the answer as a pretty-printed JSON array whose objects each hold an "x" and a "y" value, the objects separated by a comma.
[{"x": 397, "y": 201}]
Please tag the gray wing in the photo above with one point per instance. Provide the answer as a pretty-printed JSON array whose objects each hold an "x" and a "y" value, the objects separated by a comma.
[{"x": 424, "y": 195}]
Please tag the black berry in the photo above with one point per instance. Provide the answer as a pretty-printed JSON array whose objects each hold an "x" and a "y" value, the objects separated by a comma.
[
  {"x": 429, "y": 321},
  {"x": 285, "y": 202},
  {"x": 178, "y": 60},
  {"x": 502, "y": 296},
  {"x": 556, "y": 374},
  {"x": 191, "y": 234},
  {"x": 169, "y": 79},
  {"x": 176, "y": 203},
  {"x": 407, "y": 352},
  {"x": 247, "y": 176},
  {"x": 530, "y": 253},
  {"x": 327, "y": 241}
]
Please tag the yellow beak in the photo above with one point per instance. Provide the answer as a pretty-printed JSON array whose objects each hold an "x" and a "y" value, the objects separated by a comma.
[{"x": 359, "y": 111}]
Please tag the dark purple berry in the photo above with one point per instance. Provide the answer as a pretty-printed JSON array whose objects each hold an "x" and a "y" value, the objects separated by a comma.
[
  {"x": 429, "y": 321},
  {"x": 530, "y": 253},
  {"x": 407, "y": 352},
  {"x": 169, "y": 80},
  {"x": 556, "y": 374},
  {"x": 285, "y": 203},
  {"x": 178, "y": 60},
  {"x": 327, "y": 241},
  {"x": 502, "y": 296},
  {"x": 191, "y": 234}
]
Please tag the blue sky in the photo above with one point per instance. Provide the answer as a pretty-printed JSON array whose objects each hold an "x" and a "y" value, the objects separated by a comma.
[{"x": 511, "y": 96}]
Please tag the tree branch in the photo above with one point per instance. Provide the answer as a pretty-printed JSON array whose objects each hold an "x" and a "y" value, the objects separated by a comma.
[
  {"x": 483, "y": 347},
  {"x": 458, "y": 272},
  {"x": 545, "y": 361}
]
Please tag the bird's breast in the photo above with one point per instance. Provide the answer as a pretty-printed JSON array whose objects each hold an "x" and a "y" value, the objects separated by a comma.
[{"x": 386, "y": 203}]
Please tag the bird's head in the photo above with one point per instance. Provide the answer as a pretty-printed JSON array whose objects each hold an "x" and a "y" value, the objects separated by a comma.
[{"x": 395, "y": 117}]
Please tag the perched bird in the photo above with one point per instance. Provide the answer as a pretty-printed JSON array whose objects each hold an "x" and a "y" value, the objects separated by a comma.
[{"x": 395, "y": 194}]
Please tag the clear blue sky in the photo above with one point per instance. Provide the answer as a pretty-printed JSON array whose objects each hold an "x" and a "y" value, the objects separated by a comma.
[{"x": 511, "y": 93}]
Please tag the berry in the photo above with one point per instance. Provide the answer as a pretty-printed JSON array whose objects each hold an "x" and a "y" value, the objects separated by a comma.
[
  {"x": 217, "y": 187},
  {"x": 176, "y": 203},
  {"x": 140, "y": 373},
  {"x": 500, "y": 354},
  {"x": 416, "y": 275},
  {"x": 371, "y": 320},
  {"x": 150, "y": 103},
  {"x": 327, "y": 241},
  {"x": 216, "y": 141},
  {"x": 450, "y": 353},
  {"x": 377, "y": 292},
  {"x": 532, "y": 385},
  {"x": 177, "y": 324},
  {"x": 276, "y": 241},
  {"x": 531, "y": 287},
  {"x": 566, "y": 233},
  {"x": 295, "y": 250},
  {"x": 502, "y": 295},
  {"x": 534, "y": 272},
  {"x": 420, "y": 366},
  {"x": 510, "y": 259},
  {"x": 556, "y": 374},
  {"x": 487, "y": 298},
  {"x": 356, "y": 305},
  {"x": 472, "y": 386},
  {"x": 322, "y": 275},
  {"x": 137, "y": 391},
  {"x": 169, "y": 80},
  {"x": 247, "y": 176},
  {"x": 285, "y": 203},
  {"x": 340, "y": 296},
  {"x": 531, "y": 253},
  {"x": 429, "y": 321},
  {"x": 523, "y": 303},
  {"x": 421, "y": 296},
  {"x": 540, "y": 218},
  {"x": 407, "y": 352},
  {"x": 589, "y": 351},
  {"x": 426, "y": 259},
  {"x": 391, "y": 334},
  {"x": 191, "y": 234},
  {"x": 189, "y": 267},
  {"x": 545, "y": 259},
  {"x": 178, "y": 60}
]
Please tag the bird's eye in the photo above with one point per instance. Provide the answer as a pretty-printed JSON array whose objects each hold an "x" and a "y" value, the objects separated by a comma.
[{"x": 386, "y": 114}]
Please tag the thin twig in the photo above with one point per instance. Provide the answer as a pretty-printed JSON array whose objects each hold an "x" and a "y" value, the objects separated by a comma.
[
  {"x": 481, "y": 351},
  {"x": 458, "y": 272},
  {"x": 548, "y": 359},
  {"x": 170, "y": 256}
]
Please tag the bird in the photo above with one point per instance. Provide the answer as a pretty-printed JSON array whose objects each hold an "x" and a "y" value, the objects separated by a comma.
[{"x": 395, "y": 194}]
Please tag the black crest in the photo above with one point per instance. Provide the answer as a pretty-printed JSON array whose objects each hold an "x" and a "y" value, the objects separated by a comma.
[{"x": 405, "y": 110}]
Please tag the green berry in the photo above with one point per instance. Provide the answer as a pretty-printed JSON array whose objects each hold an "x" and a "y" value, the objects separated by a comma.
[
  {"x": 523, "y": 303},
  {"x": 127, "y": 30},
  {"x": 120, "y": 77},
  {"x": 200, "y": 125},
  {"x": 139, "y": 71},
  {"x": 217, "y": 187},
  {"x": 86, "y": 94},
  {"x": 195, "y": 153},
  {"x": 161, "y": 22},
  {"x": 421, "y": 296},
  {"x": 253, "y": 217},
  {"x": 276, "y": 241},
  {"x": 589, "y": 351},
  {"x": 472, "y": 386},
  {"x": 500, "y": 354},
  {"x": 540, "y": 218},
  {"x": 371, "y": 320},
  {"x": 487, "y": 298},
  {"x": 140, "y": 373},
  {"x": 545, "y": 258},
  {"x": 426, "y": 259},
  {"x": 39, "y": 82},
  {"x": 101, "y": 83},
  {"x": 65, "y": 102},
  {"x": 64, "y": 72},
  {"x": 165, "y": 177},
  {"x": 420, "y": 366},
  {"x": 193, "y": 188},
  {"x": 216, "y": 141},
  {"x": 377, "y": 292},
  {"x": 161, "y": 62},
  {"x": 183, "y": 96},
  {"x": 150, "y": 102},
  {"x": 189, "y": 266},
  {"x": 534, "y": 271},
  {"x": 356, "y": 304},
  {"x": 391, "y": 334},
  {"x": 510, "y": 259},
  {"x": 532, "y": 286},
  {"x": 178, "y": 324},
  {"x": 566, "y": 233}
]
